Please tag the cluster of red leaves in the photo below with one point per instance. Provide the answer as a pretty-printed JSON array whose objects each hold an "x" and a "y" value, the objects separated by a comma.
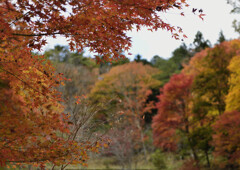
[
  {"x": 226, "y": 139},
  {"x": 173, "y": 111},
  {"x": 100, "y": 25},
  {"x": 214, "y": 79}
]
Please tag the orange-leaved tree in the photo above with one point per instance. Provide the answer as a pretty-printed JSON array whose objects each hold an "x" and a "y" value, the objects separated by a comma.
[
  {"x": 31, "y": 113},
  {"x": 128, "y": 86}
]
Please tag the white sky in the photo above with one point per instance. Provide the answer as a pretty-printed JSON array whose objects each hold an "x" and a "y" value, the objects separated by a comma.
[{"x": 148, "y": 44}]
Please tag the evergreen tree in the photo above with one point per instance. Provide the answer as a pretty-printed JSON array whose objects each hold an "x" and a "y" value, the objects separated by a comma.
[{"x": 200, "y": 43}]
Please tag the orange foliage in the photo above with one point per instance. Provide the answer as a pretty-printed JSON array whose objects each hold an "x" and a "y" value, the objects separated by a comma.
[
  {"x": 132, "y": 83},
  {"x": 196, "y": 64},
  {"x": 129, "y": 85},
  {"x": 31, "y": 116},
  {"x": 220, "y": 54},
  {"x": 100, "y": 25},
  {"x": 211, "y": 74}
]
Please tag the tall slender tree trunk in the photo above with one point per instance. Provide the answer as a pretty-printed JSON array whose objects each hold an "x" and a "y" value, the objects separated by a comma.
[
  {"x": 190, "y": 144},
  {"x": 142, "y": 141},
  {"x": 207, "y": 158}
]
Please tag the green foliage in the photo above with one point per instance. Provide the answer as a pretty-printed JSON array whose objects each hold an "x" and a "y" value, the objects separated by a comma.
[
  {"x": 62, "y": 54},
  {"x": 221, "y": 38},
  {"x": 158, "y": 160},
  {"x": 139, "y": 58},
  {"x": 235, "y": 10},
  {"x": 180, "y": 57},
  {"x": 120, "y": 61},
  {"x": 58, "y": 54},
  {"x": 78, "y": 59},
  {"x": 211, "y": 83},
  {"x": 201, "y": 138},
  {"x": 167, "y": 68},
  {"x": 200, "y": 109},
  {"x": 200, "y": 43}
]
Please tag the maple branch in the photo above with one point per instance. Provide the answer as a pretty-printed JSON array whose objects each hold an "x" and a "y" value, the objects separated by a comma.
[
  {"x": 22, "y": 81},
  {"x": 40, "y": 34},
  {"x": 33, "y": 160}
]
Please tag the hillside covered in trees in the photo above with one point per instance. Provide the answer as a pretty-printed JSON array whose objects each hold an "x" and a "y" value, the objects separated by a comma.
[
  {"x": 183, "y": 108},
  {"x": 62, "y": 109}
]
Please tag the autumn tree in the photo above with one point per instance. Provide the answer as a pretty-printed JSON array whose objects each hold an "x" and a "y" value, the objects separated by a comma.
[
  {"x": 233, "y": 96},
  {"x": 75, "y": 67},
  {"x": 129, "y": 80},
  {"x": 124, "y": 143},
  {"x": 178, "y": 125},
  {"x": 30, "y": 81},
  {"x": 226, "y": 139},
  {"x": 128, "y": 87},
  {"x": 107, "y": 21},
  {"x": 33, "y": 103},
  {"x": 210, "y": 68},
  {"x": 174, "y": 114},
  {"x": 213, "y": 84}
]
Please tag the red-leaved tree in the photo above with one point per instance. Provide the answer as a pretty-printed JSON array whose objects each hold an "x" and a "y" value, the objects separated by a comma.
[
  {"x": 226, "y": 138},
  {"x": 174, "y": 114}
]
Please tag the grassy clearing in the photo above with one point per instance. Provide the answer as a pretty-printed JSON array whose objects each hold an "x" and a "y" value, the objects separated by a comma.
[{"x": 108, "y": 163}]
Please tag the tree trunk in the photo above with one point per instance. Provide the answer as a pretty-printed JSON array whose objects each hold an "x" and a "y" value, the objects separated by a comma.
[{"x": 207, "y": 158}]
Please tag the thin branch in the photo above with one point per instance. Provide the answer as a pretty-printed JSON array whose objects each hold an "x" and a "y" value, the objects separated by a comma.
[
  {"x": 24, "y": 82},
  {"x": 40, "y": 34}
]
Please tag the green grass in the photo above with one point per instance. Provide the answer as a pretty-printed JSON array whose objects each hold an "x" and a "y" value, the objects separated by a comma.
[{"x": 108, "y": 163}]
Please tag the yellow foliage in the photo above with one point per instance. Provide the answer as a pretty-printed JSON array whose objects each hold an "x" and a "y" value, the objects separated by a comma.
[{"x": 233, "y": 97}]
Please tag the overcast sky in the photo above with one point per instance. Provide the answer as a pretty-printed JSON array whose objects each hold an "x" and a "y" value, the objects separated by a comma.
[{"x": 148, "y": 44}]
